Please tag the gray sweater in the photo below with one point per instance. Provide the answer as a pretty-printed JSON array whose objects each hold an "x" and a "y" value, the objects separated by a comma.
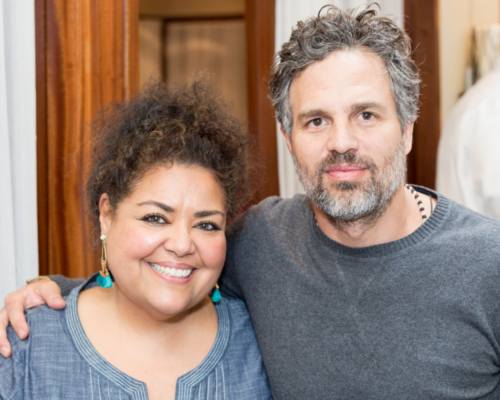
[{"x": 417, "y": 318}]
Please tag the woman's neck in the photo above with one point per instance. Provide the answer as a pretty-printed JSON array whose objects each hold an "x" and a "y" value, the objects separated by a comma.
[
  {"x": 113, "y": 309},
  {"x": 129, "y": 312},
  {"x": 152, "y": 349}
]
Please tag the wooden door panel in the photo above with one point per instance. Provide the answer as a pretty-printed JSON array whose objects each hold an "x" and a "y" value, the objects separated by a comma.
[
  {"x": 423, "y": 28},
  {"x": 87, "y": 57}
]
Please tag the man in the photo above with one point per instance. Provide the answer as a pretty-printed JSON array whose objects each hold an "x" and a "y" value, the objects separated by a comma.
[{"x": 361, "y": 289}]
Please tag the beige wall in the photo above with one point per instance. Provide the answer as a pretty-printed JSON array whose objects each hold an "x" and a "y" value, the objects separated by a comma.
[{"x": 456, "y": 19}]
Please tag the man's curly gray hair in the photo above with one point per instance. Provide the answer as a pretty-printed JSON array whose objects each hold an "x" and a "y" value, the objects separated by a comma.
[{"x": 314, "y": 39}]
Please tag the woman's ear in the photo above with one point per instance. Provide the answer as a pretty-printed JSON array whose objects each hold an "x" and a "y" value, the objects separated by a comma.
[{"x": 105, "y": 213}]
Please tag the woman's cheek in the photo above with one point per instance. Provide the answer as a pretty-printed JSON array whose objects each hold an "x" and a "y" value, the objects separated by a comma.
[
  {"x": 134, "y": 244},
  {"x": 216, "y": 253}
]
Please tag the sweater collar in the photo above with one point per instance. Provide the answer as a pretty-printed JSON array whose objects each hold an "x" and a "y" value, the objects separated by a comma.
[{"x": 416, "y": 238}]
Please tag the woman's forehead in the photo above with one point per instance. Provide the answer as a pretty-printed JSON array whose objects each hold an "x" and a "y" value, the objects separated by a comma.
[{"x": 179, "y": 186}]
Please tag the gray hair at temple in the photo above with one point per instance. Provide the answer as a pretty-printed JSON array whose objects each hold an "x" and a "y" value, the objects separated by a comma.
[{"x": 317, "y": 37}]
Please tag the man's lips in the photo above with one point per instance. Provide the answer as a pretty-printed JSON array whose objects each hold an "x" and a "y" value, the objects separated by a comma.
[{"x": 345, "y": 172}]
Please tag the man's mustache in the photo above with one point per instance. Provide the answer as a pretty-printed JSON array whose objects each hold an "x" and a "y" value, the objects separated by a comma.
[{"x": 348, "y": 158}]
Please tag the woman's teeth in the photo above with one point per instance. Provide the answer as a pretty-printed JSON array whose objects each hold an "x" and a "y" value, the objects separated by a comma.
[{"x": 176, "y": 273}]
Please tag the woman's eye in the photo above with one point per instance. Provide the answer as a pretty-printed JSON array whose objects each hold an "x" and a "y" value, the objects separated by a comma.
[
  {"x": 155, "y": 219},
  {"x": 208, "y": 226}
]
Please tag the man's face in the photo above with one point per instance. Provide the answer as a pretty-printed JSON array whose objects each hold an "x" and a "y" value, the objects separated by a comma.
[{"x": 346, "y": 140}]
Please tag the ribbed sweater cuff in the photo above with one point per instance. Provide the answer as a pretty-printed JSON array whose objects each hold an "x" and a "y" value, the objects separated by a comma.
[{"x": 66, "y": 284}]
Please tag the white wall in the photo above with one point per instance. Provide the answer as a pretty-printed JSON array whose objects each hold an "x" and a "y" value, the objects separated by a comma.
[
  {"x": 456, "y": 19},
  {"x": 18, "y": 196}
]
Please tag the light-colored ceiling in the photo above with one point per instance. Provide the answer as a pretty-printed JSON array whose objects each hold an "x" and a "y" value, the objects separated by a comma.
[{"x": 191, "y": 8}]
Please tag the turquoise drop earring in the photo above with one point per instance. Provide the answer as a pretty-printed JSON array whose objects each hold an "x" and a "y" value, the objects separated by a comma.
[
  {"x": 216, "y": 294},
  {"x": 103, "y": 279}
]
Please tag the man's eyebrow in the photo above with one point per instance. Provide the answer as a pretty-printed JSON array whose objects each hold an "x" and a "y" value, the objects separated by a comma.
[
  {"x": 367, "y": 105},
  {"x": 318, "y": 112},
  {"x": 164, "y": 207},
  {"x": 208, "y": 213}
]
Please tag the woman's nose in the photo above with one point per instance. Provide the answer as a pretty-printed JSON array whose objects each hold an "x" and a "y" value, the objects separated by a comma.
[{"x": 180, "y": 242}]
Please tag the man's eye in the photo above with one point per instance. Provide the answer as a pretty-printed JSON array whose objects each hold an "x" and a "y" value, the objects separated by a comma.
[
  {"x": 154, "y": 219},
  {"x": 366, "y": 116},
  {"x": 316, "y": 122}
]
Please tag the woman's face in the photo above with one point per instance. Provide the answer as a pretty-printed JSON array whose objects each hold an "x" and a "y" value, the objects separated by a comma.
[{"x": 165, "y": 241}]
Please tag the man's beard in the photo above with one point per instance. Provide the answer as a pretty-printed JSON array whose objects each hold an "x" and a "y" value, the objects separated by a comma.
[{"x": 350, "y": 202}]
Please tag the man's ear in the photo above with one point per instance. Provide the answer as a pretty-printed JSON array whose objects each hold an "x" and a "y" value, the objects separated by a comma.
[
  {"x": 408, "y": 135},
  {"x": 287, "y": 139},
  {"x": 105, "y": 213}
]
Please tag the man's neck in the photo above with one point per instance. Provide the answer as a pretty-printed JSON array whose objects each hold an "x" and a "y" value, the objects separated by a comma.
[{"x": 400, "y": 219}]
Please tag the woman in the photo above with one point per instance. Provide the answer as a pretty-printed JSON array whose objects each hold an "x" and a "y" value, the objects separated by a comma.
[{"x": 169, "y": 169}]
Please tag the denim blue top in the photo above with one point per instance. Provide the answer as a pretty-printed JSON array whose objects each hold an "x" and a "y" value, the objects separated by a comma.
[{"x": 57, "y": 361}]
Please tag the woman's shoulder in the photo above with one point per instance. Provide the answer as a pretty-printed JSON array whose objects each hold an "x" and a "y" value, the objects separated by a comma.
[
  {"x": 242, "y": 356},
  {"x": 46, "y": 332},
  {"x": 236, "y": 307},
  {"x": 240, "y": 322},
  {"x": 46, "y": 329}
]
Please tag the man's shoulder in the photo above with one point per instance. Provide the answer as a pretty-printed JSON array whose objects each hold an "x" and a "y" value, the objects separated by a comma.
[
  {"x": 472, "y": 229},
  {"x": 270, "y": 211},
  {"x": 275, "y": 206}
]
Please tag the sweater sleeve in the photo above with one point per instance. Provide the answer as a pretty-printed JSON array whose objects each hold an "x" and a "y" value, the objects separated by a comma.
[
  {"x": 12, "y": 369},
  {"x": 66, "y": 284}
]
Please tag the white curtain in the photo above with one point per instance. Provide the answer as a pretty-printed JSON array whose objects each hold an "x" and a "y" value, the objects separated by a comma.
[
  {"x": 288, "y": 12},
  {"x": 18, "y": 213},
  {"x": 486, "y": 48}
]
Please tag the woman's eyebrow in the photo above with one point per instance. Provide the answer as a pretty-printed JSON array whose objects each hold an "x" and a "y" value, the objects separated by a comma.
[
  {"x": 164, "y": 207},
  {"x": 208, "y": 213},
  {"x": 167, "y": 208}
]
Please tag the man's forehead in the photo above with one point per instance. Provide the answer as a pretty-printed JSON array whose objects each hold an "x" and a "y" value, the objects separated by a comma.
[
  {"x": 342, "y": 64},
  {"x": 344, "y": 77}
]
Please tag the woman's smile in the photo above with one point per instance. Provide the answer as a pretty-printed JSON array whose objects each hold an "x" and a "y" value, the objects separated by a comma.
[{"x": 179, "y": 272}]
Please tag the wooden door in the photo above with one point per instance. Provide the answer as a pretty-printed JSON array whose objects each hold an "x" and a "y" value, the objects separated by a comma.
[
  {"x": 260, "y": 21},
  {"x": 422, "y": 26},
  {"x": 86, "y": 57}
]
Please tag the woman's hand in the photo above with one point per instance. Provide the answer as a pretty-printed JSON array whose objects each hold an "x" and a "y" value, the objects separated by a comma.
[{"x": 32, "y": 295}]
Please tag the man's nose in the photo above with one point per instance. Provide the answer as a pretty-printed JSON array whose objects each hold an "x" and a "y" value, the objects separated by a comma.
[
  {"x": 179, "y": 241},
  {"x": 342, "y": 137}
]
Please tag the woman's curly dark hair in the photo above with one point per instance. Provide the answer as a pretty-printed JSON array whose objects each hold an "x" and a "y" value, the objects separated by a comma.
[{"x": 187, "y": 125}]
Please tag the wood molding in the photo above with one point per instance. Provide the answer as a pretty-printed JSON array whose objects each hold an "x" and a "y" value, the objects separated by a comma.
[
  {"x": 260, "y": 23},
  {"x": 422, "y": 25},
  {"x": 41, "y": 136},
  {"x": 191, "y": 8},
  {"x": 87, "y": 57}
]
